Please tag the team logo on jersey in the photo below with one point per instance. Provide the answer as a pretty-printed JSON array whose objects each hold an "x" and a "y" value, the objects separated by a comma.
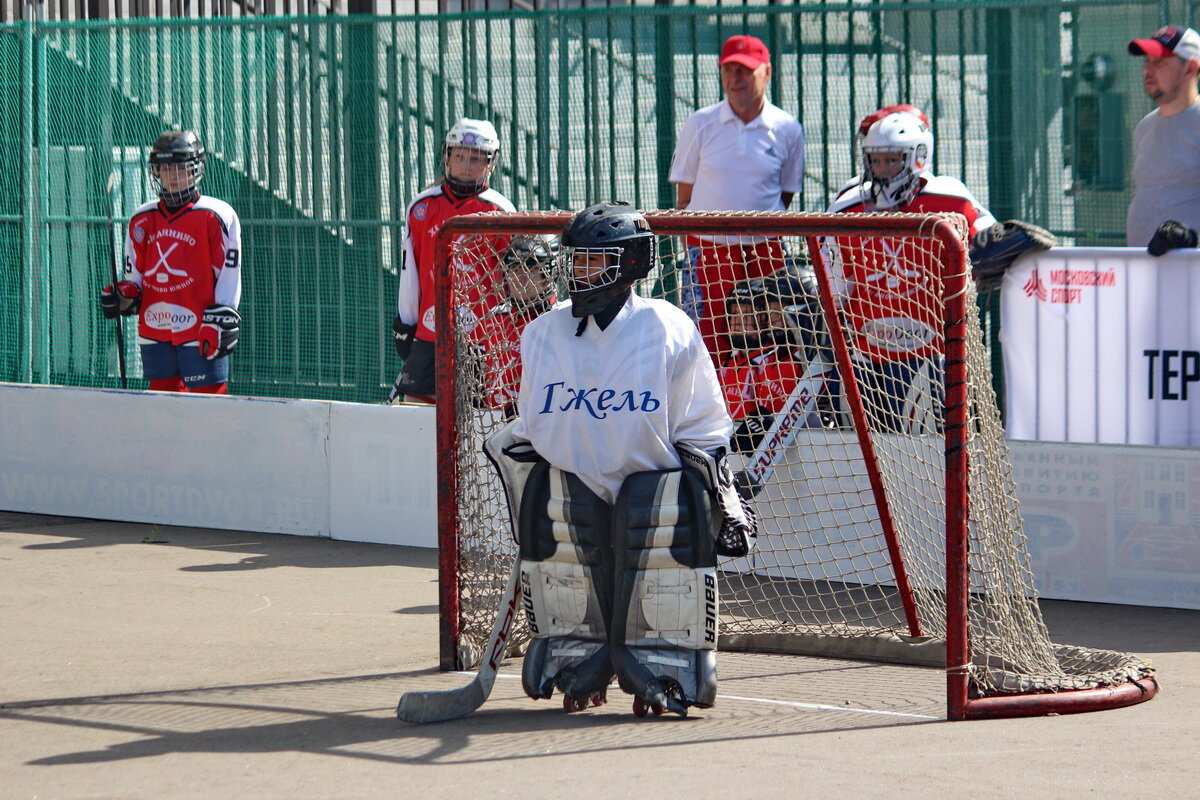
[
  {"x": 897, "y": 334},
  {"x": 168, "y": 317},
  {"x": 161, "y": 270},
  {"x": 429, "y": 318},
  {"x": 420, "y": 210},
  {"x": 139, "y": 234},
  {"x": 596, "y": 402}
]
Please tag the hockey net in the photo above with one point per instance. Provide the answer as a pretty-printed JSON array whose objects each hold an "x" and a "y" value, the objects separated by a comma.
[{"x": 889, "y": 524}]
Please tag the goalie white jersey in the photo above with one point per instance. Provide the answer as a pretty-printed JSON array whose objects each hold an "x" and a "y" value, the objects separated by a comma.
[{"x": 612, "y": 402}]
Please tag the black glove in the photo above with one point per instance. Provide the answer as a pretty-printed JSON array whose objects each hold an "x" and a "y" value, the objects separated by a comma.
[
  {"x": 404, "y": 336},
  {"x": 994, "y": 249},
  {"x": 1171, "y": 235},
  {"x": 124, "y": 300},
  {"x": 749, "y": 432},
  {"x": 220, "y": 328},
  {"x": 736, "y": 537}
]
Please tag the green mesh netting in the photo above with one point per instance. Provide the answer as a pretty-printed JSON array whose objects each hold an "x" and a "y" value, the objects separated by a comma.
[{"x": 321, "y": 130}]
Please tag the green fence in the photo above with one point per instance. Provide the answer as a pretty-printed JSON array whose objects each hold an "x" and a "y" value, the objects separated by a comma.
[{"x": 321, "y": 129}]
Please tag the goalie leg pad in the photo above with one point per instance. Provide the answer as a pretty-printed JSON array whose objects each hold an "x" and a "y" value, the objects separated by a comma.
[
  {"x": 664, "y": 623},
  {"x": 566, "y": 575}
]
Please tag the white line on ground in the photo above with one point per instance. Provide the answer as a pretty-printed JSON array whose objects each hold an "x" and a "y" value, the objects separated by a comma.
[{"x": 812, "y": 706}]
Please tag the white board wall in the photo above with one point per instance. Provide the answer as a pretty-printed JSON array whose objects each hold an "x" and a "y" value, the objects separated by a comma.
[
  {"x": 1106, "y": 523},
  {"x": 307, "y": 467}
]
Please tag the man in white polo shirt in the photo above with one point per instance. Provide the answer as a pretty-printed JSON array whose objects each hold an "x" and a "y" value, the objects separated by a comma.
[{"x": 741, "y": 154}]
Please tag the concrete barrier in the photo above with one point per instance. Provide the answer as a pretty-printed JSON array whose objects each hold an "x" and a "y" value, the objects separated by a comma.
[
  {"x": 307, "y": 467},
  {"x": 1106, "y": 523}
]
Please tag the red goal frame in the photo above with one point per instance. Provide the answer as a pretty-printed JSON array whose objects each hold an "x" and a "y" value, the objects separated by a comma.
[{"x": 943, "y": 229}]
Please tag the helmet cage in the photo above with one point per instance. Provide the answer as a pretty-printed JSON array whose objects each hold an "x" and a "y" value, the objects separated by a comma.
[
  {"x": 472, "y": 134},
  {"x": 896, "y": 190},
  {"x": 795, "y": 301},
  {"x": 623, "y": 264},
  {"x": 747, "y": 297},
  {"x": 529, "y": 255},
  {"x": 901, "y": 134},
  {"x": 468, "y": 188},
  {"x": 188, "y": 191}
]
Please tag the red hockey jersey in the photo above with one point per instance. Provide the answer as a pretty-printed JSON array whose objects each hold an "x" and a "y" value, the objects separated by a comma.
[
  {"x": 758, "y": 382},
  {"x": 184, "y": 260},
  {"x": 474, "y": 265},
  {"x": 498, "y": 336},
  {"x": 889, "y": 288}
]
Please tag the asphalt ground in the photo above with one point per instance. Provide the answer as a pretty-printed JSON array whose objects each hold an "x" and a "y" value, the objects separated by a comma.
[{"x": 142, "y": 661}]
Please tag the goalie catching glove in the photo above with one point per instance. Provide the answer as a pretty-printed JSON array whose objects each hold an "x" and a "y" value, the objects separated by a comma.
[
  {"x": 994, "y": 249},
  {"x": 737, "y": 527},
  {"x": 1171, "y": 235},
  {"x": 124, "y": 300},
  {"x": 219, "y": 330}
]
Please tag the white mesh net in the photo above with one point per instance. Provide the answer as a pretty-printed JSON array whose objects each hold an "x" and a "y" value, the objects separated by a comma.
[{"x": 841, "y": 406}]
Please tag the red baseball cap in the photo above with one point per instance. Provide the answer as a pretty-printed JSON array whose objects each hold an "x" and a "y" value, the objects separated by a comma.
[
  {"x": 1169, "y": 41},
  {"x": 748, "y": 51}
]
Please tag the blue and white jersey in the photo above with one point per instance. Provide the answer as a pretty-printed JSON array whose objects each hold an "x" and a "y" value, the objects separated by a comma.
[{"x": 613, "y": 402}]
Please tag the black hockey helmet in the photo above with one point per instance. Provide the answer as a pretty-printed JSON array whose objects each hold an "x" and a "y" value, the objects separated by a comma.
[
  {"x": 794, "y": 297},
  {"x": 178, "y": 148},
  {"x": 751, "y": 292},
  {"x": 527, "y": 256},
  {"x": 747, "y": 297},
  {"x": 529, "y": 252},
  {"x": 617, "y": 240}
]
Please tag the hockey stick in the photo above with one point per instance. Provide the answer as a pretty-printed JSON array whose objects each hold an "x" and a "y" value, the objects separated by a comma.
[
  {"x": 112, "y": 263},
  {"x": 800, "y": 403},
  {"x": 423, "y": 707},
  {"x": 395, "y": 395}
]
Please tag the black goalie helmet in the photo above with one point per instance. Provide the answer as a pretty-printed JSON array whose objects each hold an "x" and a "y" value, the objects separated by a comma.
[
  {"x": 606, "y": 248},
  {"x": 177, "y": 167},
  {"x": 792, "y": 306},
  {"x": 528, "y": 266},
  {"x": 745, "y": 314}
]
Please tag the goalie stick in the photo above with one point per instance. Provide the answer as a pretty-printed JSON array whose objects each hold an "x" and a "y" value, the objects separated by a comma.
[
  {"x": 442, "y": 706},
  {"x": 800, "y": 403}
]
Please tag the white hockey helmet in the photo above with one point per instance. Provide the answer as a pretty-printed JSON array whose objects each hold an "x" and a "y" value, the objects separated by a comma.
[
  {"x": 904, "y": 135},
  {"x": 475, "y": 134}
]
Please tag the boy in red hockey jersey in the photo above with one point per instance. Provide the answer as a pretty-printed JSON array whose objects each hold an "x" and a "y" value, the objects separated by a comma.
[
  {"x": 469, "y": 156},
  {"x": 527, "y": 263},
  {"x": 183, "y": 255}
]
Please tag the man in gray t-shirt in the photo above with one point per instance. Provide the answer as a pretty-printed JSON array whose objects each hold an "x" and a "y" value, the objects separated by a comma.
[{"x": 1165, "y": 211}]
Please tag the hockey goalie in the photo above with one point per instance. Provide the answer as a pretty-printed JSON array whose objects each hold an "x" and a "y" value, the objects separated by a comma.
[{"x": 617, "y": 481}]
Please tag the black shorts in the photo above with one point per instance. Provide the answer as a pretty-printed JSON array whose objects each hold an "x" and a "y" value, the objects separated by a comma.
[{"x": 418, "y": 375}]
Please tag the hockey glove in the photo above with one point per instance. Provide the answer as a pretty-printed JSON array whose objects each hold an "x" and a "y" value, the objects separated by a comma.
[
  {"x": 1171, "y": 235},
  {"x": 219, "y": 330},
  {"x": 994, "y": 249},
  {"x": 125, "y": 300},
  {"x": 737, "y": 526},
  {"x": 404, "y": 336}
]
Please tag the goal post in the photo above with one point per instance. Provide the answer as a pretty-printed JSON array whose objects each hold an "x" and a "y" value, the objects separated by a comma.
[{"x": 889, "y": 524}]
